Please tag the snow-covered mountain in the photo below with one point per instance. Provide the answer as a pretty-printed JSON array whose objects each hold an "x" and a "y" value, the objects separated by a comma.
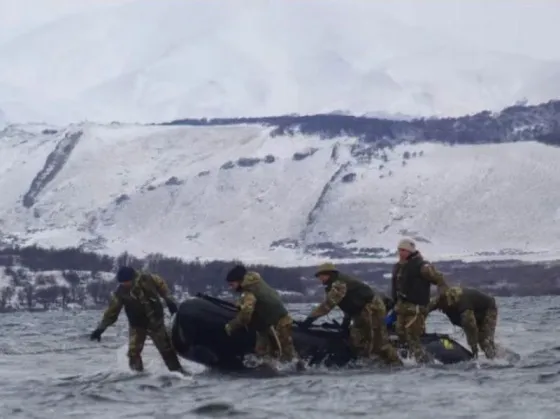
[
  {"x": 66, "y": 61},
  {"x": 290, "y": 190},
  {"x": 281, "y": 190}
]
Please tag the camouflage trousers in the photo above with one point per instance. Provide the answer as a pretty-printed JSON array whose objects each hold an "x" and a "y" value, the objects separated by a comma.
[
  {"x": 277, "y": 341},
  {"x": 411, "y": 325},
  {"x": 368, "y": 333},
  {"x": 162, "y": 342},
  {"x": 486, "y": 331}
]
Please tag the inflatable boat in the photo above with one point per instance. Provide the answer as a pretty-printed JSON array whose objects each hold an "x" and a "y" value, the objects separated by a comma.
[{"x": 197, "y": 333}]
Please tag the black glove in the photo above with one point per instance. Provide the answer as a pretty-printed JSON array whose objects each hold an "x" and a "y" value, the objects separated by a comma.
[
  {"x": 307, "y": 322},
  {"x": 171, "y": 306},
  {"x": 389, "y": 303},
  {"x": 96, "y": 335}
]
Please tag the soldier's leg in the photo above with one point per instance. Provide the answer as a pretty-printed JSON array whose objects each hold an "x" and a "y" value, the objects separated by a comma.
[
  {"x": 381, "y": 344},
  {"x": 361, "y": 333},
  {"x": 262, "y": 345},
  {"x": 136, "y": 339},
  {"x": 162, "y": 342},
  {"x": 415, "y": 331},
  {"x": 486, "y": 334},
  {"x": 400, "y": 324},
  {"x": 284, "y": 333},
  {"x": 410, "y": 326},
  {"x": 404, "y": 317}
]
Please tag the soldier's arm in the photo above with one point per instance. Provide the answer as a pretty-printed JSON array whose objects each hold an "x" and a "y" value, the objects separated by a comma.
[
  {"x": 333, "y": 297},
  {"x": 434, "y": 304},
  {"x": 433, "y": 276},
  {"x": 468, "y": 322},
  {"x": 161, "y": 287},
  {"x": 111, "y": 314},
  {"x": 163, "y": 291},
  {"x": 246, "y": 308}
]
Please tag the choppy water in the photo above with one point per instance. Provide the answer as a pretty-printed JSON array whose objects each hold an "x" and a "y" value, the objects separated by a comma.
[{"x": 50, "y": 369}]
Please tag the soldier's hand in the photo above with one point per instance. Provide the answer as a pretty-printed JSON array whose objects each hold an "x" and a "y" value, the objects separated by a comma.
[
  {"x": 172, "y": 306},
  {"x": 96, "y": 335},
  {"x": 389, "y": 303},
  {"x": 227, "y": 329}
]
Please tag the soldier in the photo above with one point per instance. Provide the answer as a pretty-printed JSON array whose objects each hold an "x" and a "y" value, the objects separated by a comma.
[
  {"x": 475, "y": 312},
  {"x": 261, "y": 308},
  {"x": 410, "y": 285},
  {"x": 138, "y": 293},
  {"x": 361, "y": 304}
]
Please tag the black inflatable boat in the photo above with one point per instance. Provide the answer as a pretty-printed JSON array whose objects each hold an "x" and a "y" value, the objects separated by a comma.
[{"x": 197, "y": 332}]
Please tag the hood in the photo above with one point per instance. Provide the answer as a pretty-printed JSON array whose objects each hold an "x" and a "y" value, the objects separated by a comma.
[{"x": 250, "y": 279}]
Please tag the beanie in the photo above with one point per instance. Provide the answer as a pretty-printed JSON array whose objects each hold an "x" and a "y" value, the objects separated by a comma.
[
  {"x": 407, "y": 244},
  {"x": 237, "y": 273},
  {"x": 125, "y": 274}
]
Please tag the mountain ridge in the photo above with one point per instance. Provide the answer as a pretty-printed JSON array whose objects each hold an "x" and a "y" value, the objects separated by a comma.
[{"x": 89, "y": 185}]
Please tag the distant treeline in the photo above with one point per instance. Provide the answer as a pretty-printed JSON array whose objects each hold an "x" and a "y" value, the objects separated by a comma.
[
  {"x": 515, "y": 123},
  {"x": 195, "y": 276},
  {"x": 500, "y": 278}
]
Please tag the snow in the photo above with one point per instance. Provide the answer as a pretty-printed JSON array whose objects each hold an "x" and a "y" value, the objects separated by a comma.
[
  {"x": 168, "y": 189},
  {"x": 143, "y": 61},
  {"x": 457, "y": 201}
]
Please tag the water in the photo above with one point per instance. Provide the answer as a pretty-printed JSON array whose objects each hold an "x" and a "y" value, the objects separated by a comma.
[{"x": 50, "y": 369}]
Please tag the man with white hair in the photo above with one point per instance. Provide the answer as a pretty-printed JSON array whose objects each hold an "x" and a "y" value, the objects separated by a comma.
[{"x": 410, "y": 289}]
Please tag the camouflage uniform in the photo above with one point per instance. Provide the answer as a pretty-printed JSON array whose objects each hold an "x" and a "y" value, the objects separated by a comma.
[
  {"x": 411, "y": 283},
  {"x": 366, "y": 309},
  {"x": 261, "y": 308},
  {"x": 145, "y": 316},
  {"x": 475, "y": 312}
]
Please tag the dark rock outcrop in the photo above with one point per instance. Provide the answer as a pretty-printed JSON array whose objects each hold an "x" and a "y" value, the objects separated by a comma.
[{"x": 54, "y": 163}]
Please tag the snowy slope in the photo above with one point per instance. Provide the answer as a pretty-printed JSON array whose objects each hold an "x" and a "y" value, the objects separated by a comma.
[
  {"x": 235, "y": 191},
  {"x": 142, "y": 61}
]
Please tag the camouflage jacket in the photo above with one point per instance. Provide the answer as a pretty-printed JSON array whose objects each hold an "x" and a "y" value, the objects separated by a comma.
[
  {"x": 466, "y": 308},
  {"x": 259, "y": 305},
  {"x": 348, "y": 293},
  {"x": 141, "y": 302}
]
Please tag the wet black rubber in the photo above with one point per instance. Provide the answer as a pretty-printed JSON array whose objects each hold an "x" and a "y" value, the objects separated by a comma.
[{"x": 198, "y": 335}]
